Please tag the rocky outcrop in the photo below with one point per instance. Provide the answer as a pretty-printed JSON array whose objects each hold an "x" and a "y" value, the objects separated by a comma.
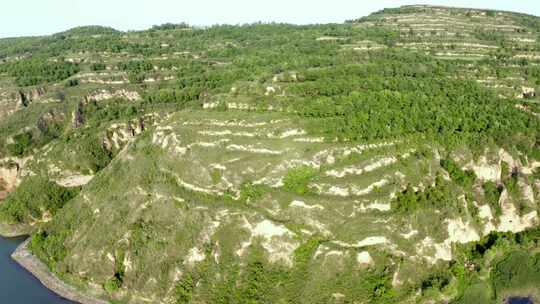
[
  {"x": 26, "y": 97},
  {"x": 12, "y": 170},
  {"x": 526, "y": 92},
  {"x": 118, "y": 135},
  {"x": 47, "y": 121},
  {"x": 105, "y": 94},
  {"x": 9, "y": 173},
  {"x": 77, "y": 119},
  {"x": 13, "y": 100}
]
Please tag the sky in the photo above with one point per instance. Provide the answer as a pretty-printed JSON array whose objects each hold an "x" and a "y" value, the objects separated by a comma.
[{"x": 42, "y": 17}]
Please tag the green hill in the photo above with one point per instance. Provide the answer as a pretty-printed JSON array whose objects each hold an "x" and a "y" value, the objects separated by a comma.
[
  {"x": 89, "y": 30},
  {"x": 389, "y": 159}
]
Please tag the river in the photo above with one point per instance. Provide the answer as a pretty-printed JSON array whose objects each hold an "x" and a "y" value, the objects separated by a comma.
[{"x": 18, "y": 286}]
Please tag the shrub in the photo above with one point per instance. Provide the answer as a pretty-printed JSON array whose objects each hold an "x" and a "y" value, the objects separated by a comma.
[
  {"x": 112, "y": 284},
  {"x": 250, "y": 192},
  {"x": 22, "y": 143},
  {"x": 492, "y": 193},
  {"x": 49, "y": 247},
  {"x": 437, "y": 280},
  {"x": 97, "y": 66},
  {"x": 464, "y": 178},
  {"x": 184, "y": 289},
  {"x": 72, "y": 83},
  {"x": 297, "y": 179},
  {"x": 136, "y": 77}
]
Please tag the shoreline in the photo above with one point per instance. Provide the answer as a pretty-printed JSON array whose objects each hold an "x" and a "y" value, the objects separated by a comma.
[
  {"x": 38, "y": 269},
  {"x": 14, "y": 230}
]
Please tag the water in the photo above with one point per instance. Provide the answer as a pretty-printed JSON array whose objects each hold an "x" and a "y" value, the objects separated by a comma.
[
  {"x": 18, "y": 286},
  {"x": 518, "y": 300}
]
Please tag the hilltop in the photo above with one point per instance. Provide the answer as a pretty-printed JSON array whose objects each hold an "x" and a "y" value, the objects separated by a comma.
[
  {"x": 389, "y": 159},
  {"x": 90, "y": 30}
]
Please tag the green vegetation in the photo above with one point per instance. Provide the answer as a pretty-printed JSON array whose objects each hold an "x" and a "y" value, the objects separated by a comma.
[
  {"x": 38, "y": 71},
  {"x": 184, "y": 289},
  {"x": 297, "y": 179},
  {"x": 100, "y": 113},
  {"x": 21, "y": 144},
  {"x": 98, "y": 66},
  {"x": 35, "y": 197},
  {"x": 88, "y": 148},
  {"x": 49, "y": 248},
  {"x": 409, "y": 101},
  {"x": 87, "y": 31},
  {"x": 441, "y": 196},
  {"x": 112, "y": 285},
  {"x": 279, "y": 163},
  {"x": 250, "y": 192},
  {"x": 492, "y": 194},
  {"x": 517, "y": 269},
  {"x": 461, "y": 177},
  {"x": 512, "y": 267}
]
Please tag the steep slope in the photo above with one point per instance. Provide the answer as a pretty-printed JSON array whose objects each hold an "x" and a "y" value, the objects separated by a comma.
[
  {"x": 390, "y": 159},
  {"x": 213, "y": 194}
]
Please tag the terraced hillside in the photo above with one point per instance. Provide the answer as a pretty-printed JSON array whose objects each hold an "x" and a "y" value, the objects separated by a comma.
[
  {"x": 465, "y": 35},
  {"x": 392, "y": 159}
]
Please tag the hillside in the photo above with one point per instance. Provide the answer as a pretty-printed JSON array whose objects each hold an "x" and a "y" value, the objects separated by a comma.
[{"x": 389, "y": 159}]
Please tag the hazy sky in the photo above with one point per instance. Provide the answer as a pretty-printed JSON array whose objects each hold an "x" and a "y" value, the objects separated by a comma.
[{"x": 38, "y": 17}]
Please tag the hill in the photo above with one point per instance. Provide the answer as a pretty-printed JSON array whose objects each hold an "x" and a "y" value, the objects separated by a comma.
[
  {"x": 394, "y": 158},
  {"x": 90, "y": 30}
]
